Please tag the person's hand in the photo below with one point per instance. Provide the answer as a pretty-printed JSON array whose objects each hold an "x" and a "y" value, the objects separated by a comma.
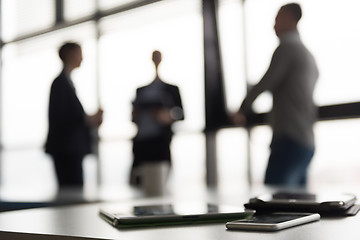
[
  {"x": 238, "y": 118},
  {"x": 96, "y": 119},
  {"x": 163, "y": 116}
]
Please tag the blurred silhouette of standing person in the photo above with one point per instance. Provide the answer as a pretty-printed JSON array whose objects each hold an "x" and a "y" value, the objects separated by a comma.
[
  {"x": 156, "y": 107},
  {"x": 69, "y": 137},
  {"x": 291, "y": 79}
]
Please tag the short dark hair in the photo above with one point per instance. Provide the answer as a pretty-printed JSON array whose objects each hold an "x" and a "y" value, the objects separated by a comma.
[
  {"x": 294, "y": 9},
  {"x": 156, "y": 52},
  {"x": 66, "y": 48}
]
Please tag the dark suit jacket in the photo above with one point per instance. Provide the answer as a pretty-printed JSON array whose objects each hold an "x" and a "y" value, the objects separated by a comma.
[
  {"x": 69, "y": 133},
  {"x": 174, "y": 100}
]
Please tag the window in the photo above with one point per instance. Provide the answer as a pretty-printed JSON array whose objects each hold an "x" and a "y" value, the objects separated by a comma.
[
  {"x": 28, "y": 72},
  {"x": 126, "y": 46},
  {"x": 22, "y": 16},
  {"x": 80, "y": 8},
  {"x": 333, "y": 43},
  {"x": 108, "y": 4},
  {"x": 230, "y": 26},
  {"x": 121, "y": 59},
  {"x": 332, "y": 40}
]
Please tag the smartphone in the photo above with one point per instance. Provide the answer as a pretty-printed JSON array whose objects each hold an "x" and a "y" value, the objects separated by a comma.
[{"x": 272, "y": 221}]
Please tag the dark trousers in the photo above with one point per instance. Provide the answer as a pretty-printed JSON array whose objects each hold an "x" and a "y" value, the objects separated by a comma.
[
  {"x": 288, "y": 163},
  {"x": 69, "y": 170},
  {"x": 148, "y": 151},
  {"x": 153, "y": 150}
]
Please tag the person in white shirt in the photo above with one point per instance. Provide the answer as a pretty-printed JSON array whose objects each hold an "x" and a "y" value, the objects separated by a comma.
[{"x": 291, "y": 79}]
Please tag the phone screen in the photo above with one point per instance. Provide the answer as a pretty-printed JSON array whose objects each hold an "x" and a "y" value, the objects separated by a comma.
[
  {"x": 272, "y": 221},
  {"x": 271, "y": 218}
]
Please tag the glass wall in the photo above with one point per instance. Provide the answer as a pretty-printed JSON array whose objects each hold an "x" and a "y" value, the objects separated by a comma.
[
  {"x": 21, "y": 17},
  {"x": 327, "y": 29},
  {"x": 126, "y": 46},
  {"x": 28, "y": 71},
  {"x": 124, "y": 64},
  {"x": 77, "y": 9},
  {"x": 119, "y": 61},
  {"x": 29, "y": 67},
  {"x": 231, "y": 32},
  {"x": 108, "y": 4},
  {"x": 336, "y": 159}
]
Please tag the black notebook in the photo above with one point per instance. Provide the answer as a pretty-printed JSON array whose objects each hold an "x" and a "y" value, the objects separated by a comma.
[{"x": 325, "y": 204}]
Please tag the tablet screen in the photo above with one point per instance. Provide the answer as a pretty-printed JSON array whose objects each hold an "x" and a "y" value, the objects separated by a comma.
[
  {"x": 121, "y": 211},
  {"x": 125, "y": 216}
]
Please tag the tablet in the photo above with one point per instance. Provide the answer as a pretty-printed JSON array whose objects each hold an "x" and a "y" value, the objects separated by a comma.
[
  {"x": 126, "y": 216},
  {"x": 303, "y": 202}
]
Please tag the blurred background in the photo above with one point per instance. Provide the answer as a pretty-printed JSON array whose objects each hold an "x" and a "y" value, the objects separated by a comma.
[{"x": 118, "y": 37}]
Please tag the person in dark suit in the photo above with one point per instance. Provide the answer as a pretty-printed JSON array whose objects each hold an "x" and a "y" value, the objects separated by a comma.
[
  {"x": 156, "y": 107},
  {"x": 69, "y": 138}
]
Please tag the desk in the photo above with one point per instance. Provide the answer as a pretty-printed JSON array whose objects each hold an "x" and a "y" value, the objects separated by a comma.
[{"x": 82, "y": 221}]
